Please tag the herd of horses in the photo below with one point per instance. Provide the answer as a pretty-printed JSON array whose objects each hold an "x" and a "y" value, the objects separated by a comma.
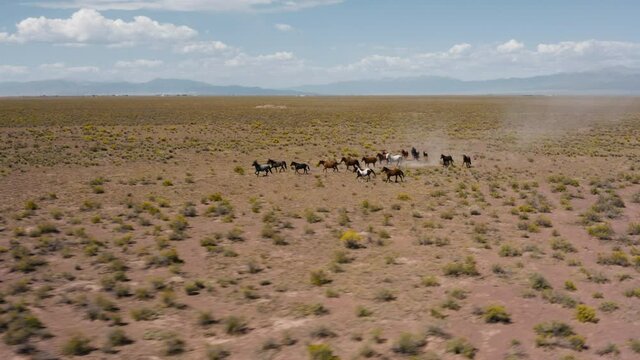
[{"x": 361, "y": 172}]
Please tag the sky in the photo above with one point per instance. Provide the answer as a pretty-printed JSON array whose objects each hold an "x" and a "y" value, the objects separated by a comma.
[{"x": 287, "y": 43}]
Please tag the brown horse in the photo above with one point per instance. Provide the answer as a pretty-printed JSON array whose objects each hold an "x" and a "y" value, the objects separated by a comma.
[
  {"x": 405, "y": 153},
  {"x": 381, "y": 156},
  {"x": 393, "y": 172},
  {"x": 329, "y": 164},
  {"x": 350, "y": 162},
  {"x": 466, "y": 160},
  {"x": 425, "y": 154},
  {"x": 278, "y": 165},
  {"x": 370, "y": 160}
]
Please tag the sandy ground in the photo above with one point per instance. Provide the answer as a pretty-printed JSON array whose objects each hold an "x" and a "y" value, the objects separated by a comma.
[{"x": 290, "y": 226}]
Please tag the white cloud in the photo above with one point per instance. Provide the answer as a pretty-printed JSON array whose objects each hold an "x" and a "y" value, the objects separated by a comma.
[
  {"x": 138, "y": 63},
  {"x": 13, "y": 69},
  {"x": 89, "y": 26},
  {"x": 283, "y": 27},
  {"x": 61, "y": 68},
  {"x": 510, "y": 46},
  {"x": 587, "y": 46},
  {"x": 510, "y": 59},
  {"x": 203, "y": 47},
  {"x": 458, "y": 49},
  {"x": 191, "y": 5},
  {"x": 244, "y": 60}
]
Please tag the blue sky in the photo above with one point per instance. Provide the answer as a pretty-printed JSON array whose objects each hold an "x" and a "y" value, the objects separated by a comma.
[{"x": 281, "y": 43}]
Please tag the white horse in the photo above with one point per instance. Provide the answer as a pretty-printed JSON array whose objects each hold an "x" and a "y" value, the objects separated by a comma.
[
  {"x": 362, "y": 173},
  {"x": 394, "y": 159}
]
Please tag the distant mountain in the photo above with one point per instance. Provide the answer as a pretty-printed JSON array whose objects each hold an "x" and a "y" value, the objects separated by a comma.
[
  {"x": 614, "y": 81},
  {"x": 154, "y": 87}
]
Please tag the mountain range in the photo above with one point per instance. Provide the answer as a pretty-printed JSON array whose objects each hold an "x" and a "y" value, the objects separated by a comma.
[{"x": 613, "y": 81}]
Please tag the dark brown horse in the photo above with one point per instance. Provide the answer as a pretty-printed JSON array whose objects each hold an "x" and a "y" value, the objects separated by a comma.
[
  {"x": 446, "y": 160},
  {"x": 329, "y": 164},
  {"x": 466, "y": 161},
  {"x": 415, "y": 154},
  {"x": 350, "y": 162},
  {"x": 278, "y": 165},
  {"x": 405, "y": 153},
  {"x": 381, "y": 156},
  {"x": 393, "y": 172},
  {"x": 370, "y": 160},
  {"x": 266, "y": 168},
  {"x": 425, "y": 154},
  {"x": 300, "y": 166}
]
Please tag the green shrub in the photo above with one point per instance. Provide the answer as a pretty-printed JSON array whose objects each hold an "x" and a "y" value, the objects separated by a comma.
[
  {"x": 234, "y": 325},
  {"x": 538, "y": 282},
  {"x": 319, "y": 278},
  {"x": 496, "y": 314},
  {"x": 608, "y": 306},
  {"x": 569, "y": 285},
  {"x": 384, "y": 295},
  {"x": 409, "y": 344},
  {"x": 602, "y": 231},
  {"x": 118, "y": 337},
  {"x": 459, "y": 268},
  {"x": 351, "y": 239},
  {"x": 507, "y": 250},
  {"x": 217, "y": 353},
  {"x": 563, "y": 245},
  {"x": 615, "y": 258},
  {"x": 362, "y": 311},
  {"x": 77, "y": 345},
  {"x": 634, "y": 229},
  {"x": 558, "y": 334},
  {"x": 430, "y": 281},
  {"x": 173, "y": 345},
  {"x": 586, "y": 313},
  {"x": 462, "y": 347},
  {"x": 144, "y": 314},
  {"x": 321, "y": 352}
]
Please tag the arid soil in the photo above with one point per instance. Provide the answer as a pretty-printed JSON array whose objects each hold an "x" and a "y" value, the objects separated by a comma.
[{"x": 135, "y": 228}]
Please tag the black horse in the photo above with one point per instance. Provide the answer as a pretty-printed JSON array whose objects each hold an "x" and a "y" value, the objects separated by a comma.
[
  {"x": 300, "y": 166},
  {"x": 446, "y": 160},
  {"x": 466, "y": 160},
  {"x": 415, "y": 154},
  {"x": 425, "y": 154},
  {"x": 278, "y": 165},
  {"x": 266, "y": 168}
]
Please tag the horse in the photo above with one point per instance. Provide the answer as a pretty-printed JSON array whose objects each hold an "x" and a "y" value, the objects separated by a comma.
[
  {"x": 446, "y": 160},
  {"x": 278, "y": 165},
  {"x": 405, "y": 153},
  {"x": 393, "y": 172},
  {"x": 394, "y": 159},
  {"x": 466, "y": 160},
  {"x": 262, "y": 167},
  {"x": 426, "y": 155},
  {"x": 369, "y": 160},
  {"x": 415, "y": 154},
  {"x": 360, "y": 173},
  {"x": 300, "y": 166},
  {"x": 350, "y": 162},
  {"x": 381, "y": 156},
  {"x": 329, "y": 164}
]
